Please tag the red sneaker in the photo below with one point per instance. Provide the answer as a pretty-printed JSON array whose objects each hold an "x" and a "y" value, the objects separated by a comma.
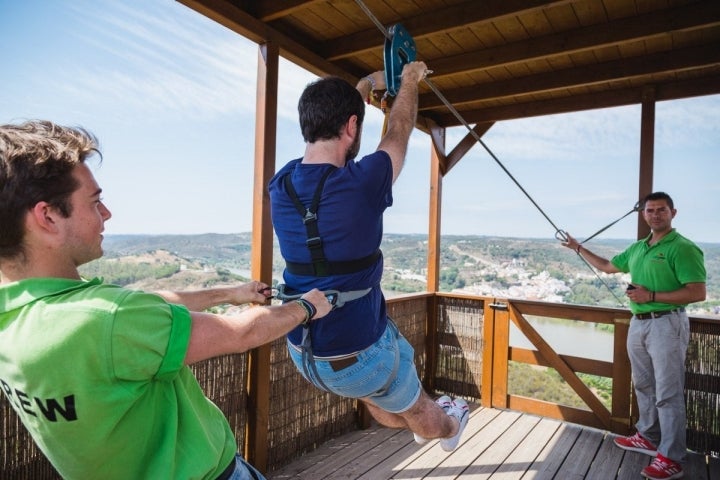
[
  {"x": 636, "y": 443},
  {"x": 662, "y": 468}
]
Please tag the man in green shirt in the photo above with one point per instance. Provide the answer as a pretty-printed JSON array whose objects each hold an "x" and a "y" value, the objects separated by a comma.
[
  {"x": 667, "y": 273},
  {"x": 97, "y": 373}
]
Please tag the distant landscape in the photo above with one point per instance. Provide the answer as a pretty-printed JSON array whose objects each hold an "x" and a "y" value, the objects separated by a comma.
[{"x": 522, "y": 268}]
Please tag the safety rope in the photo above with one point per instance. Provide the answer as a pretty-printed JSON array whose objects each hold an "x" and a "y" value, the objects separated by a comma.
[{"x": 559, "y": 233}]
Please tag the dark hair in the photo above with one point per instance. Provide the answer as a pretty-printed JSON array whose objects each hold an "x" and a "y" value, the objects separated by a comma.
[
  {"x": 325, "y": 106},
  {"x": 658, "y": 196},
  {"x": 37, "y": 159}
]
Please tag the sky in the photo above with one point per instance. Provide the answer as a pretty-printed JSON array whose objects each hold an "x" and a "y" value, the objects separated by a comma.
[{"x": 171, "y": 96}]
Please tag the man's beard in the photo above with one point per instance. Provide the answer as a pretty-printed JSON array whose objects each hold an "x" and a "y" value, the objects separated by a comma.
[{"x": 353, "y": 151}]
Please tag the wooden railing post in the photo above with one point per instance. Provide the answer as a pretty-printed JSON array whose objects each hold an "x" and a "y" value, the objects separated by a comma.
[
  {"x": 496, "y": 333},
  {"x": 621, "y": 379}
]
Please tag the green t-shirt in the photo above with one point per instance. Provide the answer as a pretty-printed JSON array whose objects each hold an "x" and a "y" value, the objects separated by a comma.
[
  {"x": 96, "y": 373},
  {"x": 666, "y": 266}
]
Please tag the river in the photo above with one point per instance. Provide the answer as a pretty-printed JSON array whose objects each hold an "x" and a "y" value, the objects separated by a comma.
[{"x": 579, "y": 339}]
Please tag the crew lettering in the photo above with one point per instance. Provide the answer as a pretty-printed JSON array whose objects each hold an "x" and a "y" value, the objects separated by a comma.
[{"x": 49, "y": 407}]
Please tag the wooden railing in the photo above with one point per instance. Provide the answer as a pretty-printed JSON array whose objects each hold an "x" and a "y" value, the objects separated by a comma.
[{"x": 462, "y": 347}]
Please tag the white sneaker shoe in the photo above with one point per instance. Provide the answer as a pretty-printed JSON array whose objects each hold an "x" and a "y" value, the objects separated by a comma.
[
  {"x": 445, "y": 403},
  {"x": 461, "y": 411}
]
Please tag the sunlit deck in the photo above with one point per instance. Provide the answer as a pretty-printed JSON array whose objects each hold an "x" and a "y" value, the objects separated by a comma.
[{"x": 498, "y": 444}]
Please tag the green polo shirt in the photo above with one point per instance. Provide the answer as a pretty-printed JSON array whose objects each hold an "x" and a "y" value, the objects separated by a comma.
[
  {"x": 672, "y": 262},
  {"x": 96, "y": 373}
]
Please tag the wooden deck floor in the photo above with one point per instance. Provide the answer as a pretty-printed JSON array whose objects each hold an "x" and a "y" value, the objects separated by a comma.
[{"x": 497, "y": 444}]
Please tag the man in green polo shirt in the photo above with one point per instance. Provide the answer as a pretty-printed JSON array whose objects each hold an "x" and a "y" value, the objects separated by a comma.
[
  {"x": 97, "y": 373},
  {"x": 667, "y": 273}
]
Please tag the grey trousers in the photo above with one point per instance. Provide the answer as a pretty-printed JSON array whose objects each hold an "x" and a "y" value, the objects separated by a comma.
[{"x": 657, "y": 349}]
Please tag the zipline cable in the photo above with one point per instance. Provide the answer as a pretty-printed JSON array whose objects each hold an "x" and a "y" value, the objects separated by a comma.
[
  {"x": 460, "y": 118},
  {"x": 559, "y": 233}
]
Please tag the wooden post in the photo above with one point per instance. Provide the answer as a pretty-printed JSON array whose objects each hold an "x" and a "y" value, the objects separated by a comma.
[
  {"x": 647, "y": 153},
  {"x": 256, "y": 437},
  {"x": 621, "y": 379},
  {"x": 437, "y": 156}
]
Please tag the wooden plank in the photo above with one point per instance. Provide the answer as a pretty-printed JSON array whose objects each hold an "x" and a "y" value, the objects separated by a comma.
[
  {"x": 714, "y": 468},
  {"x": 492, "y": 458},
  {"x": 346, "y": 446},
  {"x": 553, "y": 455},
  {"x": 696, "y": 467},
  {"x": 631, "y": 465},
  {"x": 347, "y": 454},
  {"x": 523, "y": 456},
  {"x": 408, "y": 455},
  {"x": 607, "y": 461},
  {"x": 580, "y": 457},
  {"x": 377, "y": 454},
  {"x": 474, "y": 442}
]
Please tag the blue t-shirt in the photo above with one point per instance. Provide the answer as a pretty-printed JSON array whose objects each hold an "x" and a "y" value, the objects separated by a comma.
[{"x": 350, "y": 224}]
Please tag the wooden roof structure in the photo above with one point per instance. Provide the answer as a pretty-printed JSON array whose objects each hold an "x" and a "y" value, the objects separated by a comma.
[{"x": 501, "y": 59}]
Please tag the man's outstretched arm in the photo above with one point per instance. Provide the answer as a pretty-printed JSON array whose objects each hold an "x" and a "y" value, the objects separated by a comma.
[{"x": 403, "y": 115}]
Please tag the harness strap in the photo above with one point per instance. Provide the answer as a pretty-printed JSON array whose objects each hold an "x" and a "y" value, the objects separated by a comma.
[
  {"x": 308, "y": 361},
  {"x": 320, "y": 266},
  {"x": 335, "y": 297},
  {"x": 309, "y": 215},
  {"x": 334, "y": 268}
]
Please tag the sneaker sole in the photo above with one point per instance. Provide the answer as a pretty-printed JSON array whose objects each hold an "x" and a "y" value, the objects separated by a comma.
[
  {"x": 652, "y": 453},
  {"x": 671, "y": 477}
]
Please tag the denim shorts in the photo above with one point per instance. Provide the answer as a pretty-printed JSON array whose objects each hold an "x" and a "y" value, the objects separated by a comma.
[
  {"x": 244, "y": 471},
  {"x": 371, "y": 373}
]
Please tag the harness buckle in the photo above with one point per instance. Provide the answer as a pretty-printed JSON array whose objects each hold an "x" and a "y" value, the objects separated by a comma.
[
  {"x": 309, "y": 217},
  {"x": 313, "y": 242}
]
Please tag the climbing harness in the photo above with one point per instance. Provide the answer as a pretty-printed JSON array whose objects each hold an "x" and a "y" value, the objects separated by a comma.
[
  {"x": 396, "y": 56},
  {"x": 337, "y": 299},
  {"x": 320, "y": 266},
  {"x": 310, "y": 369}
]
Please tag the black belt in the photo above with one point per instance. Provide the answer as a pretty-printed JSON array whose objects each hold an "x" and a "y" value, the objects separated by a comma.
[
  {"x": 658, "y": 314},
  {"x": 342, "y": 363},
  {"x": 227, "y": 473}
]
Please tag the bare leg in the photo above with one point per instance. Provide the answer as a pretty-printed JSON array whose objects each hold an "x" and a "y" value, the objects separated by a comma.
[{"x": 425, "y": 417}]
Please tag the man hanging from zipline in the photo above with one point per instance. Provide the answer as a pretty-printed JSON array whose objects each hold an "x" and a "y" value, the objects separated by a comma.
[{"x": 327, "y": 211}]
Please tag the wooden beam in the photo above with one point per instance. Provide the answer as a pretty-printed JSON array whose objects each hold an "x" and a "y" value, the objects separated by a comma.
[
  {"x": 647, "y": 154},
  {"x": 632, "y": 29},
  {"x": 671, "y": 90},
  {"x": 269, "y": 10},
  {"x": 455, "y": 17},
  {"x": 686, "y": 59},
  {"x": 262, "y": 249},
  {"x": 465, "y": 145}
]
